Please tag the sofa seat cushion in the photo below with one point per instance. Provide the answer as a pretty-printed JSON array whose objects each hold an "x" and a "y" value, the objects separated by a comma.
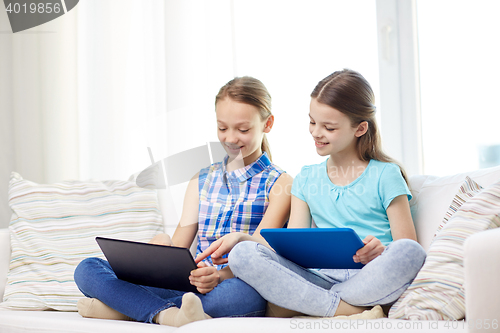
[
  {"x": 293, "y": 325},
  {"x": 69, "y": 322}
]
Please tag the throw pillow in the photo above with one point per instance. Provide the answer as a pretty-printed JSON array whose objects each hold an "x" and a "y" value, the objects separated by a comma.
[
  {"x": 53, "y": 228},
  {"x": 437, "y": 293},
  {"x": 467, "y": 190}
]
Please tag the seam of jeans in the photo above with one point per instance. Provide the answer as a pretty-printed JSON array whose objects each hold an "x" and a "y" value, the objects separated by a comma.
[
  {"x": 333, "y": 307},
  {"x": 164, "y": 307}
]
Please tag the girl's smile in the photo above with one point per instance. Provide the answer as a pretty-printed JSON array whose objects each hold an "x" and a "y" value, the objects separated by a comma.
[
  {"x": 320, "y": 144},
  {"x": 233, "y": 150}
]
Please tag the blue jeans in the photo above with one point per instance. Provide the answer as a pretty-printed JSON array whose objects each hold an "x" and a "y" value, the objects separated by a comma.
[
  {"x": 231, "y": 298},
  {"x": 318, "y": 292}
]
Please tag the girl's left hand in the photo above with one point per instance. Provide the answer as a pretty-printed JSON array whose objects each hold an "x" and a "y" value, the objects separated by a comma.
[
  {"x": 204, "y": 278},
  {"x": 372, "y": 249}
]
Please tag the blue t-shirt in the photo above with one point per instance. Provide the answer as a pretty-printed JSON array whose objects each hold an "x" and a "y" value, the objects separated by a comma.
[{"x": 360, "y": 205}]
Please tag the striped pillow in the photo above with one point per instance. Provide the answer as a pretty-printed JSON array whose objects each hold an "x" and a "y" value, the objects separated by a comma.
[
  {"x": 53, "y": 228},
  {"x": 437, "y": 293},
  {"x": 466, "y": 191}
]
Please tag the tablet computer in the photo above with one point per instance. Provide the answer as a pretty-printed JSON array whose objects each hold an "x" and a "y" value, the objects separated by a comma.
[
  {"x": 151, "y": 265},
  {"x": 316, "y": 247}
]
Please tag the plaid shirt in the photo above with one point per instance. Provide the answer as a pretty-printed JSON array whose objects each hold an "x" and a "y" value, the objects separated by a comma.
[{"x": 233, "y": 201}]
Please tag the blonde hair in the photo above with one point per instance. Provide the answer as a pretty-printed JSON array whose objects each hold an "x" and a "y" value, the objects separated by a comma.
[
  {"x": 348, "y": 92},
  {"x": 250, "y": 91}
]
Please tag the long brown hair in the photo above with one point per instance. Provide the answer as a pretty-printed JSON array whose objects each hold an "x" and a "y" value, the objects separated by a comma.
[
  {"x": 250, "y": 91},
  {"x": 348, "y": 92}
]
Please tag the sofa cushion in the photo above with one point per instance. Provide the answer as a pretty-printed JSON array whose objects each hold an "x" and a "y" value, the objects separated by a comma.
[
  {"x": 467, "y": 190},
  {"x": 437, "y": 293},
  {"x": 53, "y": 228},
  {"x": 432, "y": 196}
]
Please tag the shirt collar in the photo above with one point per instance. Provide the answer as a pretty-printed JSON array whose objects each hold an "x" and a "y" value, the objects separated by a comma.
[{"x": 247, "y": 172}]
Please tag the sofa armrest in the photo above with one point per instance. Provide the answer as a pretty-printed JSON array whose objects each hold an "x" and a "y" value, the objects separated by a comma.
[
  {"x": 4, "y": 259},
  {"x": 482, "y": 287}
]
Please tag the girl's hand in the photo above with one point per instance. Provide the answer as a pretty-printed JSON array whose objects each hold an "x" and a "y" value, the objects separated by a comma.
[
  {"x": 372, "y": 249},
  {"x": 221, "y": 247},
  {"x": 204, "y": 278}
]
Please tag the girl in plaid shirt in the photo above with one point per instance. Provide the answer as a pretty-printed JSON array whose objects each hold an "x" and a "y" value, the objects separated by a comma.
[{"x": 243, "y": 194}]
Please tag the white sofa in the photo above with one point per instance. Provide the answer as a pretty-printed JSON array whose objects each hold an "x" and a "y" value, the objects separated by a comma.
[{"x": 431, "y": 199}]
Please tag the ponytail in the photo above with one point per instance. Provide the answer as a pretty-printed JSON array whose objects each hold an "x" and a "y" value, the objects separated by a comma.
[{"x": 265, "y": 147}]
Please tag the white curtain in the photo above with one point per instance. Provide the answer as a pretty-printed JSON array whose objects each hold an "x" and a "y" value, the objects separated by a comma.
[
  {"x": 38, "y": 109},
  {"x": 121, "y": 86},
  {"x": 84, "y": 95}
]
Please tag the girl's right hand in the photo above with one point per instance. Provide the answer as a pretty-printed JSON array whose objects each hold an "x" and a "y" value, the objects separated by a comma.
[
  {"x": 221, "y": 247},
  {"x": 372, "y": 249}
]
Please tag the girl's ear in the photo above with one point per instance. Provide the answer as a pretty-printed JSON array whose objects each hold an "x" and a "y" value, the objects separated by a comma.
[
  {"x": 362, "y": 129},
  {"x": 269, "y": 124}
]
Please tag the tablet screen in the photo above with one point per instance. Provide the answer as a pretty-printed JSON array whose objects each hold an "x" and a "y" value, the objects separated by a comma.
[
  {"x": 151, "y": 265},
  {"x": 316, "y": 247}
]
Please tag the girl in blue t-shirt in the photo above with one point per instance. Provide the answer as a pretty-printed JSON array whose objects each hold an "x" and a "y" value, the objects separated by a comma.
[{"x": 358, "y": 187}]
